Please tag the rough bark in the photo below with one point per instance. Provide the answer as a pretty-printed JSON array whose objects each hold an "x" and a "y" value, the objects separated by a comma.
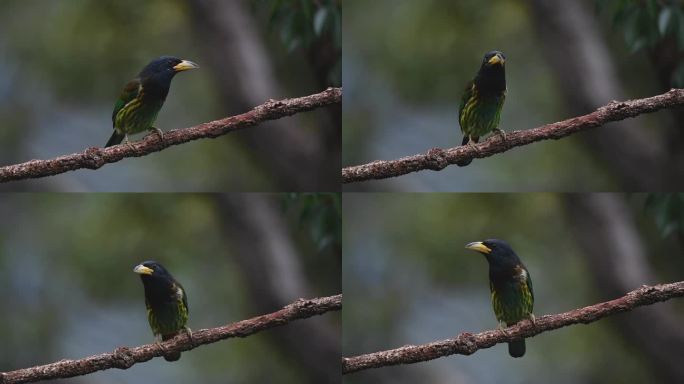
[
  {"x": 468, "y": 343},
  {"x": 266, "y": 254},
  {"x": 94, "y": 158},
  {"x": 437, "y": 159},
  {"x": 620, "y": 263},
  {"x": 124, "y": 357},
  {"x": 241, "y": 64},
  {"x": 572, "y": 41}
]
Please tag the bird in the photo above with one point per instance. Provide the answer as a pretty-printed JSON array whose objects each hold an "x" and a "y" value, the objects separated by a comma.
[
  {"x": 166, "y": 302},
  {"x": 482, "y": 101},
  {"x": 510, "y": 285},
  {"x": 137, "y": 107}
]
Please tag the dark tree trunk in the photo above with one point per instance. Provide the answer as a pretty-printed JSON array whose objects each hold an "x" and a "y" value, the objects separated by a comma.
[
  {"x": 237, "y": 55},
  {"x": 263, "y": 248},
  {"x": 571, "y": 40},
  {"x": 617, "y": 260}
]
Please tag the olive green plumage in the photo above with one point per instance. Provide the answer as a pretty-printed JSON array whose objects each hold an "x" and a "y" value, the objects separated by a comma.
[
  {"x": 137, "y": 107},
  {"x": 480, "y": 109},
  {"x": 166, "y": 302},
  {"x": 511, "y": 287}
]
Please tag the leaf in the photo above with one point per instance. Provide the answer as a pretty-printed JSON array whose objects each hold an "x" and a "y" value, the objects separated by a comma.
[
  {"x": 319, "y": 20},
  {"x": 678, "y": 77},
  {"x": 664, "y": 20},
  {"x": 637, "y": 44},
  {"x": 680, "y": 29},
  {"x": 668, "y": 212}
]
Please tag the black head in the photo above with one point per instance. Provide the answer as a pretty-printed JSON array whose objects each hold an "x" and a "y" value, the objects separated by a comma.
[
  {"x": 493, "y": 59},
  {"x": 150, "y": 271},
  {"x": 492, "y": 74},
  {"x": 166, "y": 67},
  {"x": 497, "y": 252}
]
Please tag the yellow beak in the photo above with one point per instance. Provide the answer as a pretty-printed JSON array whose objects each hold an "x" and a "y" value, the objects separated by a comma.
[
  {"x": 185, "y": 65},
  {"x": 143, "y": 270},
  {"x": 496, "y": 59},
  {"x": 478, "y": 247}
]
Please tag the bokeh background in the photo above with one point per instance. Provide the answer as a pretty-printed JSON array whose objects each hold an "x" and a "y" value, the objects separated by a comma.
[
  {"x": 406, "y": 64},
  {"x": 407, "y": 279},
  {"x": 69, "y": 291},
  {"x": 63, "y": 64}
]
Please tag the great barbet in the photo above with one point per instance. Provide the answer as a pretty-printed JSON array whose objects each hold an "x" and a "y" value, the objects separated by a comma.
[
  {"x": 137, "y": 107},
  {"x": 166, "y": 302},
  {"x": 510, "y": 285},
  {"x": 480, "y": 109}
]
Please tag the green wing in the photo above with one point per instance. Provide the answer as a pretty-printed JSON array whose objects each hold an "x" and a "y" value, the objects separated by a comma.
[
  {"x": 467, "y": 94},
  {"x": 129, "y": 93},
  {"x": 529, "y": 284},
  {"x": 185, "y": 300}
]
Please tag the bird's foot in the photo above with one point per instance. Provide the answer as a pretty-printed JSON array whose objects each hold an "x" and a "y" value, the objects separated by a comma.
[
  {"x": 503, "y": 329},
  {"x": 188, "y": 332},
  {"x": 128, "y": 143},
  {"x": 501, "y": 134},
  {"x": 159, "y": 132},
  {"x": 158, "y": 344},
  {"x": 533, "y": 320},
  {"x": 471, "y": 145}
]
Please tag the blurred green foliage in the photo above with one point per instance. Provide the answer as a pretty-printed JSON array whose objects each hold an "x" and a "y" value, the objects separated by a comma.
[
  {"x": 69, "y": 291},
  {"x": 668, "y": 211},
  {"x": 59, "y": 79},
  {"x": 321, "y": 214},
  {"x": 92, "y": 39},
  {"x": 647, "y": 23},
  {"x": 408, "y": 280},
  {"x": 318, "y": 217},
  {"x": 404, "y": 78},
  {"x": 303, "y": 24}
]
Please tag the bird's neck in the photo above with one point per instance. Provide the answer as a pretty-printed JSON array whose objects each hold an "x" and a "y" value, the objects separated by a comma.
[
  {"x": 502, "y": 271},
  {"x": 158, "y": 291},
  {"x": 491, "y": 81},
  {"x": 156, "y": 88}
]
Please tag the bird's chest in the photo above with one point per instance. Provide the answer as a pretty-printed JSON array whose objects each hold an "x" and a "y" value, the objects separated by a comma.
[
  {"x": 166, "y": 312},
  {"x": 482, "y": 113},
  {"x": 511, "y": 297},
  {"x": 139, "y": 114}
]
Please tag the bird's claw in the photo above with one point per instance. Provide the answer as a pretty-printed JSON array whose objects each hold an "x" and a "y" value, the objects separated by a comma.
[
  {"x": 533, "y": 320},
  {"x": 502, "y": 329},
  {"x": 128, "y": 143},
  {"x": 188, "y": 332},
  {"x": 161, "y": 347},
  {"x": 501, "y": 134},
  {"x": 471, "y": 145},
  {"x": 159, "y": 132}
]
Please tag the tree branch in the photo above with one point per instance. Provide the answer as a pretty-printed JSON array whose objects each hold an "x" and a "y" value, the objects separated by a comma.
[
  {"x": 468, "y": 343},
  {"x": 124, "y": 357},
  {"x": 94, "y": 158},
  {"x": 437, "y": 159}
]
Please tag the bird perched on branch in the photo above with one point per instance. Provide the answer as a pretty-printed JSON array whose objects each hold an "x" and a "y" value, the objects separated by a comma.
[
  {"x": 480, "y": 109},
  {"x": 510, "y": 285},
  {"x": 137, "y": 107},
  {"x": 166, "y": 302}
]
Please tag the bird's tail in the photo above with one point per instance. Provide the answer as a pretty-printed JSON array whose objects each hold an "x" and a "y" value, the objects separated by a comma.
[
  {"x": 516, "y": 348},
  {"x": 174, "y": 356},
  {"x": 116, "y": 138},
  {"x": 466, "y": 138}
]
